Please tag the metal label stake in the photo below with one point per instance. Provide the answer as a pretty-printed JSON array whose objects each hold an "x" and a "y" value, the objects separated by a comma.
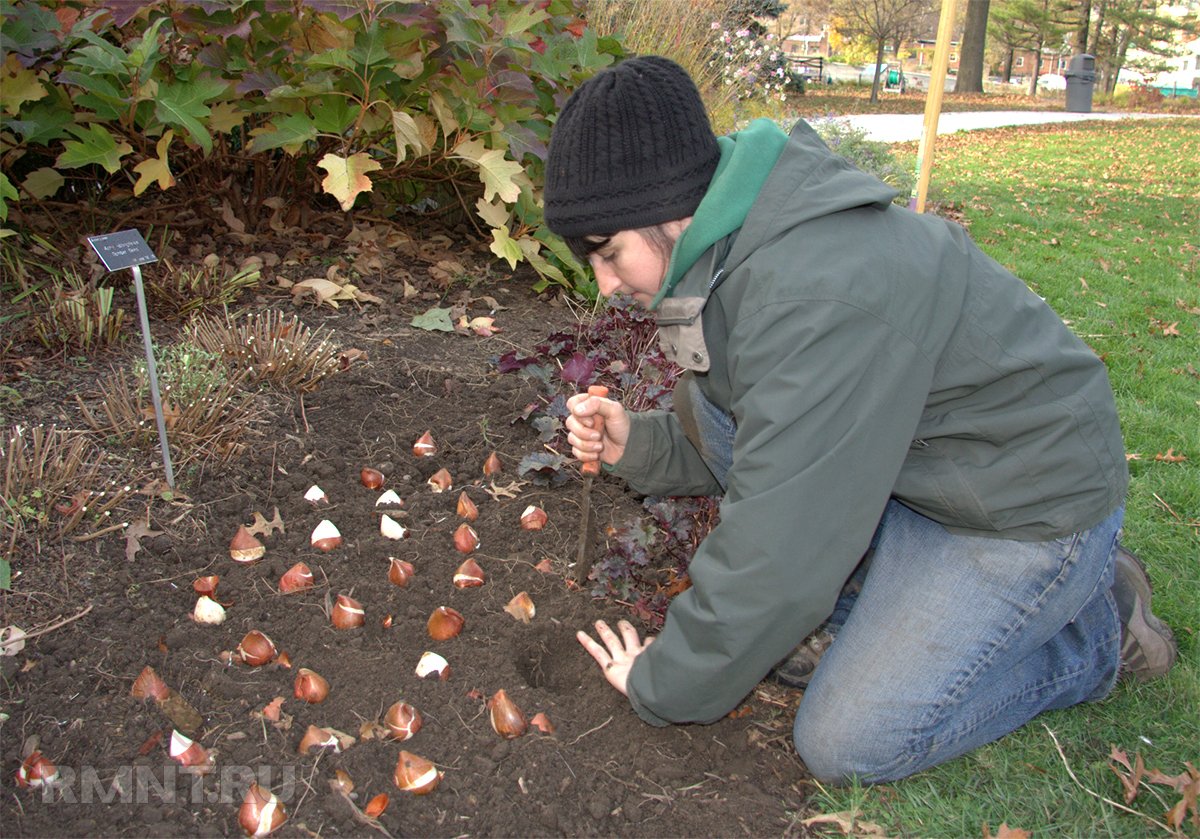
[{"x": 127, "y": 249}]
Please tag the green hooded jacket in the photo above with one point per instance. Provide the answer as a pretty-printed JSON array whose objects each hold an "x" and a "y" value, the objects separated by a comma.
[{"x": 865, "y": 352}]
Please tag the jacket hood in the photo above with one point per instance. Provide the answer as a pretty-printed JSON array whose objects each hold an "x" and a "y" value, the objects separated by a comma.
[{"x": 767, "y": 183}]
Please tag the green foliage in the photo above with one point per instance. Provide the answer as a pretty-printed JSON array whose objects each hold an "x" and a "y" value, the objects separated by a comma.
[
  {"x": 869, "y": 155},
  {"x": 251, "y": 107}
]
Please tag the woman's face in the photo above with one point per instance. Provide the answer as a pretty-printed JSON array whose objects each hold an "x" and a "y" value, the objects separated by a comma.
[{"x": 630, "y": 263}]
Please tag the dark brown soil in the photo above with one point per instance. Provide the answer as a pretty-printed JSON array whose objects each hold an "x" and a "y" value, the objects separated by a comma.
[{"x": 602, "y": 771}]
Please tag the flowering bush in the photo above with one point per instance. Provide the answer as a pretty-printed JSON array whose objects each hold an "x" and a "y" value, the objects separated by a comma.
[{"x": 748, "y": 66}]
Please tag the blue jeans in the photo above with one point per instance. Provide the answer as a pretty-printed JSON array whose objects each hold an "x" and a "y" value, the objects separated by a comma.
[{"x": 945, "y": 642}]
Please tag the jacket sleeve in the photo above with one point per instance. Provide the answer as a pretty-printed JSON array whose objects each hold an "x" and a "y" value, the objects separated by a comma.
[
  {"x": 660, "y": 460},
  {"x": 826, "y": 398}
]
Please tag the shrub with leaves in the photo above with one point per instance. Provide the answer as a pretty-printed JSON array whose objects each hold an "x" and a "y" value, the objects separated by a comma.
[
  {"x": 242, "y": 111},
  {"x": 268, "y": 347},
  {"x": 869, "y": 155},
  {"x": 646, "y": 559}
]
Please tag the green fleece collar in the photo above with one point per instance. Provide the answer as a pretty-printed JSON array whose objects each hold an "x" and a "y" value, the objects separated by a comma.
[{"x": 747, "y": 157}]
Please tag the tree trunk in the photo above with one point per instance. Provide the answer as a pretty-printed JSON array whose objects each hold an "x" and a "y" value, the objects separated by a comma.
[
  {"x": 1081, "y": 34},
  {"x": 970, "y": 57},
  {"x": 1037, "y": 70},
  {"x": 878, "y": 60},
  {"x": 1008, "y": 63}
]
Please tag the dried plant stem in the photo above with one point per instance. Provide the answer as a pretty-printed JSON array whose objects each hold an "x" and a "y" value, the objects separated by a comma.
[{"x": 1095, "y": 794}]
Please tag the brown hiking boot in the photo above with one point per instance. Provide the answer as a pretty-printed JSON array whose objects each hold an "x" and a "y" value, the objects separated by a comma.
[
  {"x": 1148, "y": 647},
  {"x": 797, "y": 669}
]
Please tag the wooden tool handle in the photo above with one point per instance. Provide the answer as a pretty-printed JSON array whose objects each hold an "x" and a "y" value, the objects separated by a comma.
[{"x": 592, "y": 467}]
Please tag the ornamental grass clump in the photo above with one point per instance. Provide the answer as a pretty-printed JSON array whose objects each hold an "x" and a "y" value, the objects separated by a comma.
[
  {"x": 76, "y": 315},
  {"x": 269, "y": 347},
  {"x": 207, "y": 412},
  {"x": 50, "y": 480}
]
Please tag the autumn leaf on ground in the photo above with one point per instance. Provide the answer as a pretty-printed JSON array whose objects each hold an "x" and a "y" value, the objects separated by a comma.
[
  {"x": 347, "y": 176},
  {"x": 1005, "y": 832},
  {"x": 1132, "y": 456},
  {"x": 1130, "y": 779},
  {"x": 262, "y": 527},
  {"x": 482, "y": 326},
  {"x": 1170, "y": 457},
  {"x": 137, "y": 531},
  {"x": 847, "y": 823}
]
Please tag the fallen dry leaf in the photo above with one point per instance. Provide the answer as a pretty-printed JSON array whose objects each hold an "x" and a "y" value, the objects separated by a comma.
[
  {"x": 262, "y": 527},
  {"x": 847, "y": 823},
  {"x": 1005, "y": 832},
  {"x": 137, "y": 531},
  {"x": 1170, "y": 457}
]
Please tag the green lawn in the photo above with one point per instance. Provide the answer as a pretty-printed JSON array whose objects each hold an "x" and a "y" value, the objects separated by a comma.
[{"x": 1102, "y": 220}]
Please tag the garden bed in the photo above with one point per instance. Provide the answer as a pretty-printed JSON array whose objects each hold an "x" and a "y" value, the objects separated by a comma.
[{"x": 601, "y": 771}]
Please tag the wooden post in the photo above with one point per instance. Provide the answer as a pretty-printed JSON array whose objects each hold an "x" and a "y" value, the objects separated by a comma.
[{"x": 933, "y": 102}]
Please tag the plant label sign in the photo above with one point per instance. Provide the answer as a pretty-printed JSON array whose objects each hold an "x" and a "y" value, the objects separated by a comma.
[{"x": 122, "y": 250}]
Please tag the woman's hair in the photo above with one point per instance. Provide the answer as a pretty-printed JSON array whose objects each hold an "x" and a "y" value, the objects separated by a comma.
[{"x": 658, "y": 238}]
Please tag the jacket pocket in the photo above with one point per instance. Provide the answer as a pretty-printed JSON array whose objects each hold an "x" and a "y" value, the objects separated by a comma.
[{"x": 681, "y": 332}]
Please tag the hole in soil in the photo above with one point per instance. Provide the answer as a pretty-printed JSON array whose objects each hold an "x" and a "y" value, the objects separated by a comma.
[{"x": 551, "y": 661}]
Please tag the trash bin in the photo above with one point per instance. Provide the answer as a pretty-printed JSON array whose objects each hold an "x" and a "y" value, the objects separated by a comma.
[{"x": 1081, "y": 79}]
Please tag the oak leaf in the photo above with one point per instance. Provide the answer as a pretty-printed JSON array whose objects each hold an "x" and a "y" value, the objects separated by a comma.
[
  {"x": 262, "y": 527},
  {"x": 347, "y": 176}
]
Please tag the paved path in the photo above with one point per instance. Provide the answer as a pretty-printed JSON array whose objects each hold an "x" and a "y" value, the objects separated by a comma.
[{"x": 898, "y": 128}]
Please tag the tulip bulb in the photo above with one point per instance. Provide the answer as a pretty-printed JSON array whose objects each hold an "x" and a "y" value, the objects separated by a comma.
[
  {"x": 466, "y": 507},
  {"x": 416, "y": 774},
  {"x": 324, "y": 738},
  {"x": 205, "y": 586},
  {"x": 445, "y": 623},
  {"x": 465, "y": 539},
  {"x": 245, "y": 547},
  {"x": 260, "y": 812},
  {"x": 402, "y": 720},
  {"x": 325, "y": 536},
  {"x": 389, "y": 498},
  {"x": 534, "y": 518},
  {"x": 491, "y": 466},
  {"x": 315, "y": 495},
  {"x": 521, "y": 607},
  {"x": 542, "y": 723},
  {"x": 296, "y": 578},
  {"x": 424, "y": 447},
  {"x": 347, "y": 613},
  {"x": 148, "y": 685},
  {"x": 390, "y": 528},
  {"x": 400, "y": 571},
  {"x": 36, "y": 770},
  {"x": 376, "y": 806},
  {"x": 441, "y": 481},
  {"x": 371, "y": 478},
  {"x": 256, "y": 649},
  {"x": 507, "y": 719},
  {"x": 208, "y": 611},
  {"x": 433, "y": 665},
  {"x": 311, "y": 687},
  {"x": 188, "y": 752},
  {"x": 468, "y": 575}
]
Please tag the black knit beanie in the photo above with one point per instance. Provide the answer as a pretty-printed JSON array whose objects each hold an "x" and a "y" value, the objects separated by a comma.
[{"x": 632, "y": 148}]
